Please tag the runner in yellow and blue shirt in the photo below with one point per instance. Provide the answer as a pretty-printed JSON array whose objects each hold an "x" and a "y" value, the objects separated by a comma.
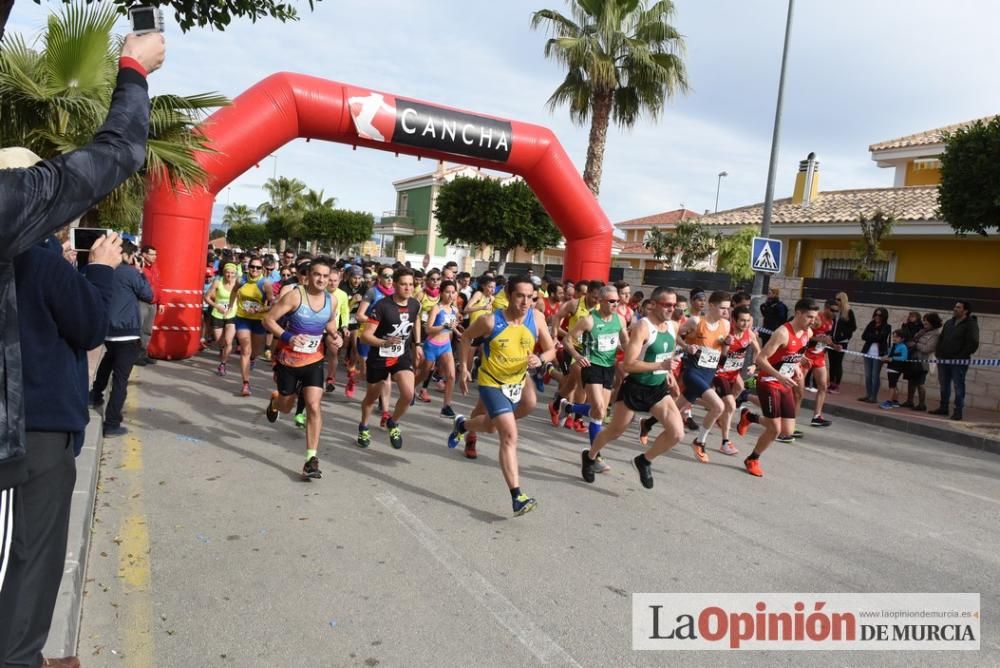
[{"x": 509, "y": 338}]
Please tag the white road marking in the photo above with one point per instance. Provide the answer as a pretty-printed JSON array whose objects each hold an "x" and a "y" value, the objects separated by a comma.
[
  {"x": 823, "y": 451},
  {"x": 969, "y": 494},
  {"x": 524, "y": 629}
]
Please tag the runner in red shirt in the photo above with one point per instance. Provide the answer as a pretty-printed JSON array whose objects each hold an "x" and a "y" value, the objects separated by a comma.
[
  {"x": 779, "y": 371},
  {"x": 728, "y": 381},
  {"x": 815, "y": 352}
]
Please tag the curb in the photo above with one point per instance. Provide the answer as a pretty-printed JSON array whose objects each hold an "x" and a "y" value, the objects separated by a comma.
[
  {"x": 916, "y": 427},
  {"x": 64, "y": 634}
]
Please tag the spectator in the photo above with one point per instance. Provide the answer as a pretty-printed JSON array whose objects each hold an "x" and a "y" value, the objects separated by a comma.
[
  {"x": 147, "y": 262},
  {"x": 911, "y": 326},
  {"x": 876, "y": 346},
  {"x": 959, "y": 340},
  {"x": 844, "y": 326},
  {"x": 896, "y": 358},
  {"x": 34, "y": 201},
  {"x": 62, "y": 314},
  {"x": 924, "y": 345},
  {"x": 122, "y": 343},
  {"x": 774, "y": 312}
]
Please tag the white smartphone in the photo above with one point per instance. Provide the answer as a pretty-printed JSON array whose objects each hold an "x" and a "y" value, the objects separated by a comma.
[{"x": 82, "y": 238}]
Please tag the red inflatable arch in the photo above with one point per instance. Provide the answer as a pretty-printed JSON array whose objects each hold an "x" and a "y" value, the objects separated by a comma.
[{"x": 287, "y": 106}]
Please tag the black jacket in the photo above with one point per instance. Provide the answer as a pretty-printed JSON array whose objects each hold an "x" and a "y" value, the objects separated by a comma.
[
  {"x": 775, "y": 314},
  {"x": 879, "y": 336},
  {"x": 959, "y": 339},
  {"x": 36, "y": 201},
  {"x": 844, "y": 328}
]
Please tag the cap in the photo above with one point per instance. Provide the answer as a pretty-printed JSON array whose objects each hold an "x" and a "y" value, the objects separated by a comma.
[{"x": 355, "y": 271}]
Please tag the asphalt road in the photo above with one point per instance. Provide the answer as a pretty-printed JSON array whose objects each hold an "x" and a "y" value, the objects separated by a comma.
[{"x": 208, "y": 550}]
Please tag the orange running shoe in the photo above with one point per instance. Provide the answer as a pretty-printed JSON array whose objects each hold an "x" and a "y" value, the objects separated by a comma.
[
  {"x": 470, "y": 446},
  {"x": 579, "y": 426},
  {"x": 743, "y": 426},
  {"x": 753, "y": 467},
  {"x": 570, "y": 423},
  {"x": 699, "y": 451},
  {"x": 554, "y": 414},
  {"x": 425, "y": 396},
  {"x": 644, "y": 429}
]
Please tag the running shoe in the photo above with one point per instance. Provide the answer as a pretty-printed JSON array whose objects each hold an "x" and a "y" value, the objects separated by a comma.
[
  {"x": 311, "y": 470},
  {"x": 245, "y": 392},
  {"x": 699, "y": 451},
  {"x": 547, "y": 374},
  {"x": 221, "y": 369},
  {"x": 385, "y": 418},
  {"x": 364, "y": 437},
  {"x": 690, "y": 424},
  {"x": 524, "y": 504},
  {"x": 797, "y": 434},
  {"x": 833, "y": 389},
  {"x": 601, "y": 466},
  {"x": 470, "y": 446},
  {"x": 425, "y": 396},
  {"x": 439, "y": 386},
  {"x": 743, "y": 426},
  {"x": 728, "y": 448},
  {"x": 271, "y": 412},
  {"x": 253, "y": 363},
  {"x": 330, "y": 386},
  {"x": 820, "y": 421},
  {"x": 300, "y": 420},
  {"x": 349, "y": 389},
  {"x": 447, "y": 412},
  {"x": 396, "y": 437},
  {"x": 753, "y": 467},
  {"x": 553, "y": 414},
  {"x": 645, "y": 425},
  {"x": 886, "y": 405},
  {"x": 570, "y": 423},
  {"x": 539, "y": 383},
  {"x": 587, "y": 468},
  {"x": 436, "y": 377},
  {"x": 785, "y": 438},
  {"x": 267, "y": 355},
  {"x": 579, "y": 426},
  {"x": 644, "y": 469},
  {"x": 812, "y": 390},
  {"x": 456, "y": 436}
]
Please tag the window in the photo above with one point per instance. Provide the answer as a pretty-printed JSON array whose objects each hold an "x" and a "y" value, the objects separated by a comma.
[
  {"x": 401, "y": 208},
  {"x": 843, "y": 269}
]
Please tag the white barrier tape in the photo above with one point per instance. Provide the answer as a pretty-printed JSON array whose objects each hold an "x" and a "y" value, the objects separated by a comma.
[
  {"x": 969, "y": 362},
  {"x": 181, "y": 292},
  {"x": 176, "y": 328},
  {"x": 175, "y": 305}
]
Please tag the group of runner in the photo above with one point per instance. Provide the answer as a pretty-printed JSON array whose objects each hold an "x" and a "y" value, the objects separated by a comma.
[{"x": 613, "y": 353}]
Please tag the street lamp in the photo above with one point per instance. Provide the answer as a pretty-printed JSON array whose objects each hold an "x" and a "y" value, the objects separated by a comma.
[
  {"x": 717, "y": 188},
  {"x": 274, "y": 173}
]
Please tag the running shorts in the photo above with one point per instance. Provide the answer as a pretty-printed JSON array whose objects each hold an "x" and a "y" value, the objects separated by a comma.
[
  {"x": 495, "y": 401},
  {"x": 598, "y": 375},
  {"x": 376, "y": 373},
  {"x": 641, "y": 398},
  {"x": 255, "y": 326},
  {"x": 697, "y": 381},
  {"x": 219, "y": 323},
  {"x": 434, "y": 351},
  {"x": 291, "y": 379},
  {"x": 776, "y": 401}
]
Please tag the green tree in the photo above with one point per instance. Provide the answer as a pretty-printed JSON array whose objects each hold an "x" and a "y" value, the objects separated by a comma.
[
  {"x": 969, "y": 194},
  {"x": 686, "y": 245},
  {"x": 247, "y": 235},
  {"x": 489, "y": 213},
  {"x": 284, "y": 208},
  {"x": 658, "y": 241},
  {"x": 869, "y": 248},
  {"x": 338, "y": 228},
  {"x": 238, "y": 214},
  {"x": 623, "y": 60},
  {"x": 216, "y": 234},
  {"x": 217, "y": 15},
  {"x": 55, "y": 92},
  {"x": 734, "y": 254}
]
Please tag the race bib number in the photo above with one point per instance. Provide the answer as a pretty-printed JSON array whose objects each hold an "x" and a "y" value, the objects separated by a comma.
[
  {"x": 250, "y": 306},
  {"x": 395, "y": 350},
  {"x": 709, "y": 358},
  {"x": 449, "y": 320},
  {"x": 607, "y": 342},
  {"x": 353, "y": 320},
  {"x": 787, "y": 369},
  {"x": 310, "y": 346},
  {"x": 513, "y": 392},
  {"x": 733, "y": 364},
  {"x": 423, "y": 316},
  {"x": 659, "y": 359},
  {"x": 820, "y": 347}
]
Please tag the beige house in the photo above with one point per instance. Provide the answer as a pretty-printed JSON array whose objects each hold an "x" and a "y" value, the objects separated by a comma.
[{"x": 633, "y": 253}]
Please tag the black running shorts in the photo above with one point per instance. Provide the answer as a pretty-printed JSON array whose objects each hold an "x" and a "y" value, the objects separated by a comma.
[
  {"x": 641, "y": 398},
  {"x": 598, "y": 375},
  {"x": 291, "y": 379}
]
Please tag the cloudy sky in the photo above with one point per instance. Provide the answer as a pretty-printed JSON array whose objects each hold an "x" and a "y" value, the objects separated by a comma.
[{"x": 859, "y": 72}]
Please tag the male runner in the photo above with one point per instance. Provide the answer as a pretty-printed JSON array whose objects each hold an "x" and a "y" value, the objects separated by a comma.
[
  {"x": 509, "y": 340},
  {"x": 311, "y": 315},
  {"x": 822, "y": 327},
  {"x": 392, "y": 328},
  {"x": 601, "y": 332},
  {"x": 779, "y": 372},
  {"x": 727, "y": 379},
  {"x": 570, "y": 385},
  {"x": 355, "y": 289},
  {"x": 343, "y": 314},
  {"x": 649, "y": 356},
  {"x": 383, "y": 288}
]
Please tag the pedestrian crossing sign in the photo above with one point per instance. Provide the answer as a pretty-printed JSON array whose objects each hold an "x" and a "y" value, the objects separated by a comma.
[{"x": 765, "y": 255}]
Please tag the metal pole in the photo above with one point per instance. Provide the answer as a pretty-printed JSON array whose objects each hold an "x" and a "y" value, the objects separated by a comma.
[
  {"x": 718, "y": 187},
  {"x": 761, "y": 279}
]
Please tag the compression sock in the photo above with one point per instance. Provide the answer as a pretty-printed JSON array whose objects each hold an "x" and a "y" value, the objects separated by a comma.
[
  {"x": 578, "y": 409},
  {"x": 310, "y": 454},
  {"x": 515, "y": 492},
  {"x": 703, "y": 435},
  {"x": 594, "y": 428}
]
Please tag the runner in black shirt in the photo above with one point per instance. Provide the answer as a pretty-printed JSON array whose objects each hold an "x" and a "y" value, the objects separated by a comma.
[{"x": 392, "y": 327}]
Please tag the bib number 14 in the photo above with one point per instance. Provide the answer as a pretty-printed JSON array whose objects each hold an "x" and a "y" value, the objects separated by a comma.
[{"x": 512, "y": 392}]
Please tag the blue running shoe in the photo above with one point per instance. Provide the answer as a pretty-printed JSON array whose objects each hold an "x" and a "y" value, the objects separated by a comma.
[
  {"x": 524, "y": 504},
  {"x": 456, "y": 436}
]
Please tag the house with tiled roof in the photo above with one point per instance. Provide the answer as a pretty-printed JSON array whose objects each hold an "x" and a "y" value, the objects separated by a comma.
[
  {"x": 819, "y": 228},
  {"x": 633, "y": 252}
]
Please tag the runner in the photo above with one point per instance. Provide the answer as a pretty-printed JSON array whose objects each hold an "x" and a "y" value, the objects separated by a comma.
[
  {"x": 570, "y": 386},
  {"x": 381, "y": 289},
  {"x": 705, "y": 338},
  {"x": 224, "y": 320},
  {"x": 392, "y": 327},
  {"x": 252, "y": 300},
  {"x": 343, "y": 314},
  {"x": 649, "y": 357},
  {"x": 729, "y": 376},
  {"x": 779, "y": 372},
  {"x": 443, "y": 320},
  {"x": 355, "y": 290},
  {"x": 601, "y": 332},
  {"x": 299, "y": 358},
  {"x": 822, "y": 327},
  {"x": 509, "y": 339}
]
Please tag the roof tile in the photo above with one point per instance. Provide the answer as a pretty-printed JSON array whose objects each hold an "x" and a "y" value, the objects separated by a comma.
[{"x": 925, "y": 138}]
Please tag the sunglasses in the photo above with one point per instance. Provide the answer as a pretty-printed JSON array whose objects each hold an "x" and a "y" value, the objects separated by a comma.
[
  {"x": 386, "y": 275},
  {"x": 255, "y": 266},
  {"x": 666, "y": 304},
  {"x": 612, "y": 301}
]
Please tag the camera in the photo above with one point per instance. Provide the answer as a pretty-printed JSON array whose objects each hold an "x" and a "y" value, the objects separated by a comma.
[{"x": 145, "y": 19}]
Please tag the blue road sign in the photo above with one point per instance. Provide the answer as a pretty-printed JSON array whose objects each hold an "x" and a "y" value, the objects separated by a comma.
[{"x": 765, "y": 255}]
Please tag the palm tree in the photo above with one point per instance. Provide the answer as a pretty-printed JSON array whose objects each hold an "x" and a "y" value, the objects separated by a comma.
[
  {"x": 314, "y": 200},
  {"x": 55, "y": 93},
  {"x": 238, "y": 214},
  {"x": 285, "y": 196},
  {"x": 623, "y": 59}
]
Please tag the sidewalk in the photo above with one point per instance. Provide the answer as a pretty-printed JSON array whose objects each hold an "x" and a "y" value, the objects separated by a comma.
[{"x": 980, "y": 429}]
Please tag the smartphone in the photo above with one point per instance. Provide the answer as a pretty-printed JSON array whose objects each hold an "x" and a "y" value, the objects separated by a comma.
[
  {"x": 146, "y": 19},
  {"x": 81, "y": 239}
]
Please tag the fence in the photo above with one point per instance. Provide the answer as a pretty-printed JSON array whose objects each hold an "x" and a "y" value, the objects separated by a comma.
[
  {"x": 919, "y": 296},
  {"x": 686, "y": 280}
]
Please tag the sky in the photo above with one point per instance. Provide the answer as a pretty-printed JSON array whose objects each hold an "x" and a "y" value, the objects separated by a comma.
[{"x": 858, "y": 72}]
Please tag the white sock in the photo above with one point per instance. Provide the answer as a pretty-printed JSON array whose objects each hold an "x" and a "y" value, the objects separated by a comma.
[{"x": 703, "y": 434}]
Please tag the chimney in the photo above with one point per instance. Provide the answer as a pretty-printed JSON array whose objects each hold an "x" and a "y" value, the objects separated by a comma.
[{"x": 806, "y": 181}]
